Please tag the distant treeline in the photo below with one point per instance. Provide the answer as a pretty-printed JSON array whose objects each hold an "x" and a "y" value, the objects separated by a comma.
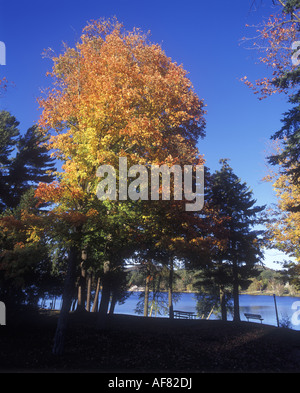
[{"x": 268, "y": 281}]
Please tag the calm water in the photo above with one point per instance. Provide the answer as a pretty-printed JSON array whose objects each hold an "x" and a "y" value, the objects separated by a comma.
[
  {"x": 255, "y": 304},
  {"x": 288, "y": 309}
]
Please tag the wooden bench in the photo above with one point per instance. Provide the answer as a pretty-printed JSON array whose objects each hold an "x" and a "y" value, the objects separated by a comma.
[
  {"x": 184, "y": 314},
  {"x": 253, "y": 316}
]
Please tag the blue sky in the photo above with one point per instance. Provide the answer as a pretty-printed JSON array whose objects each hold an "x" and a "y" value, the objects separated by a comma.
[{"x": 204, "y": 36}]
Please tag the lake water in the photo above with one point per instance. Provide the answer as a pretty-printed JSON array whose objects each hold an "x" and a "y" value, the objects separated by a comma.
[
  {"x": 288, "y": 307},
  {"x": 254, "y": 304}
]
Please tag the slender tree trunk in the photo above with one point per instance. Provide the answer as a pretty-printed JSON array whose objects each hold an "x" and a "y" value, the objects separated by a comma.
[
  {"x": 113, "y": 303},
  {"x": 105, "y": 297},
  {"x": 79, "y": 297},
  {"x": 104, "y": 303},
  {"x": 74, "y": 302},
  {"x": 223, "y": 303},
  {"x": 68, "y": 294},
  {"x": 236, "y": 302},
  {"x": 96, "y": 299},
  {"x": 211, "y": 311},
  {"x": 82, "y": 284},
  {"x": 155, "y": 292},
  {"x": 171, "y": 311},
  {"x": 151, "y": 308},
  {"x": 89, "y": 287},
  {"x": 146, "y": 299}
]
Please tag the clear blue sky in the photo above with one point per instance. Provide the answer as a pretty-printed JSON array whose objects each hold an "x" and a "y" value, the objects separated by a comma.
[{"x": 204, "y": 36}]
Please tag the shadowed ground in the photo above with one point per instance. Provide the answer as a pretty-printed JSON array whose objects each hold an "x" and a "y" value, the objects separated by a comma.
[{"x": 137, "y": 344}]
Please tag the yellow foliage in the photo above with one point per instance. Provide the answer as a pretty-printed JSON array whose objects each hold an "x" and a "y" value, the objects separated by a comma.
[
  {"x": 284, "y": 228},
  {"x": 116, "y": 93}
]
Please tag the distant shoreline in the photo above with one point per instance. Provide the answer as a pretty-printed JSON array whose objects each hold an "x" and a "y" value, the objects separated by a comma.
[{"x": 254, "y": 293}]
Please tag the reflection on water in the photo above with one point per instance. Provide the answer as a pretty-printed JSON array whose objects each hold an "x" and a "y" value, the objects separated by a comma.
[
  {"x": 265, "y": 306},
  {"x": 288, "y": 307},
  {"x": 259, "y": 304}
]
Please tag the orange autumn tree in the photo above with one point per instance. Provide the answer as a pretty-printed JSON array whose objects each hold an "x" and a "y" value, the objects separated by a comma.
[
  {"x": 285, "y": 230},
  {"x": 284, "y": 221},
  {"x": 115, "y": 94}
]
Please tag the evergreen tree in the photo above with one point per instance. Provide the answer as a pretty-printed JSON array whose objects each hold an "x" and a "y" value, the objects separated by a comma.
[
  {"x": 280, "y": 35},
  {"x": 279, "y": 39},
  {"x": 234, "y": 264},
  {"x": 24, "y": 161},
  {"x": 8, "y": 139},
  {"x": 289, "y": 134},
  {"x": 28, "y": 167}
]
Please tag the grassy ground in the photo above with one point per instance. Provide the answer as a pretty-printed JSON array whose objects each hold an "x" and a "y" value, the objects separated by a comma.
[{"x": 137, "y": 344}]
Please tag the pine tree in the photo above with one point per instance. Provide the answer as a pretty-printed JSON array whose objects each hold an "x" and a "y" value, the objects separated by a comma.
[
  {"x": 234, "y": 264},
  {"x": 9, "y": 133},
  {"x": 24, "y": 161},
  {"x": 29, "y": 166},
  {"x": 279, "y": 39}
]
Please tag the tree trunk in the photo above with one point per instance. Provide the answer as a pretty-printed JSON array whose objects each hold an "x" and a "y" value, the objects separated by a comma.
[
  {"x": 74, "y": 302},
  {"x": 171, "y": 311},
  {"x": 68, "y": 294},
  {"x": 96, "y": 299},
  {"x": 155, "y": 292},
  {"x": 104, "y": 303},
  {"x": 105, "y": 297},
  {"x": 82, "y": 284},
  {"x": 236, "y": 302},
  {"x": 88, "y": 299},
  {"x": 223, "y": 304},
  {"x": 146, "y": 299},
  {"x": 113, "y": 303}
]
